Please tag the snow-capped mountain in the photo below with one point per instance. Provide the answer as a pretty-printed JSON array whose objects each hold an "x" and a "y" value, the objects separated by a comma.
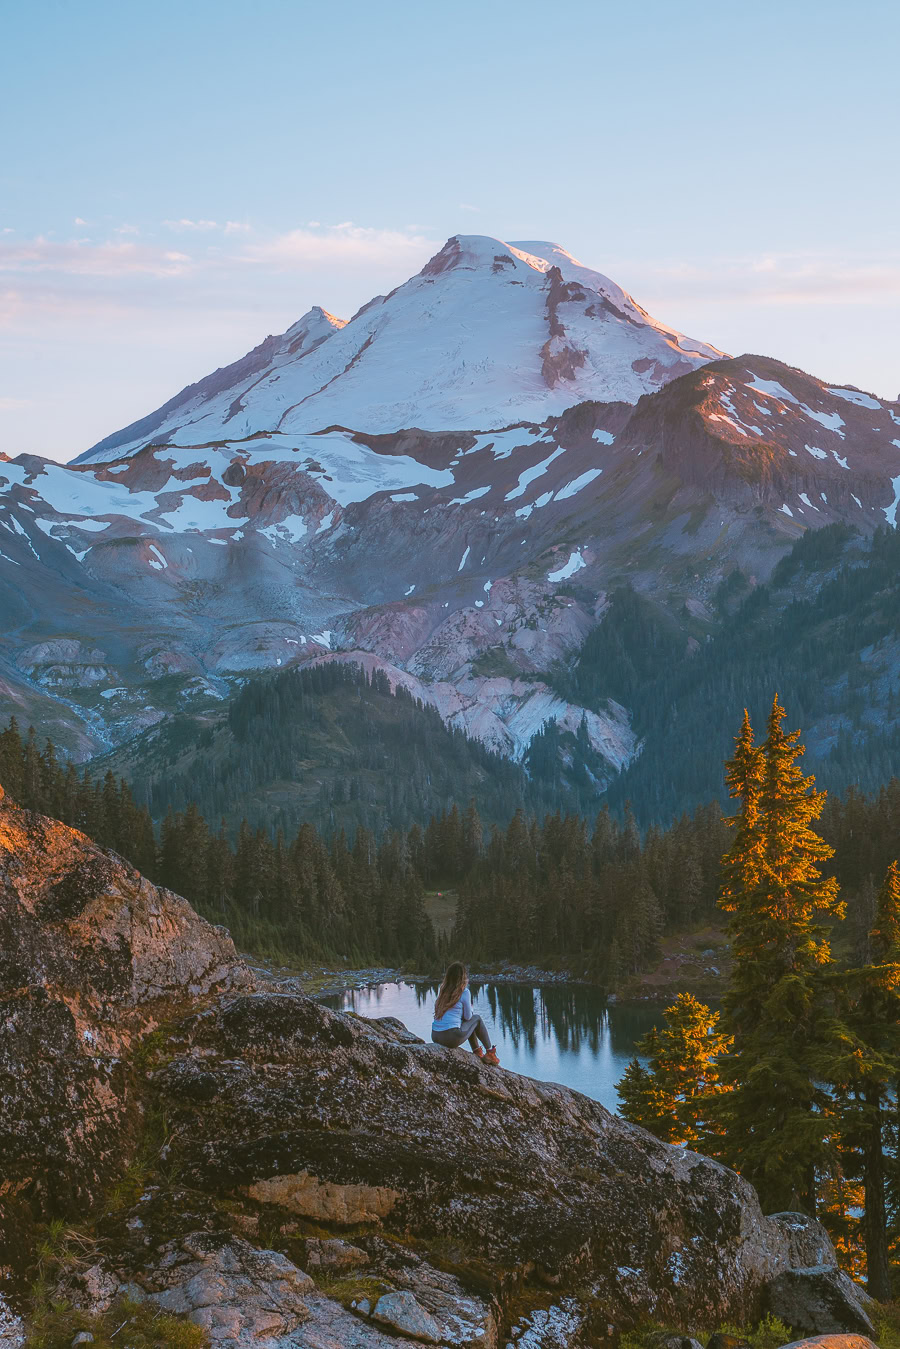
[
  {"x": 468, "y": 561},
  {"x": 488, "y": 333}
]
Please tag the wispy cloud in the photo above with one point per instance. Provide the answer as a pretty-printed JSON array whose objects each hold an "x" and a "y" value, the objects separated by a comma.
[
  {"x": 343, "y": 243},
  {"x": 466, "y": 206},
  {"x": 80, "y": 258},
  {"x": 185, "y": 226}
]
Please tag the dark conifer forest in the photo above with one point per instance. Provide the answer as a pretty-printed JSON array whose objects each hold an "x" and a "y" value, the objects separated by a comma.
[{"x": 592, "y": 892}]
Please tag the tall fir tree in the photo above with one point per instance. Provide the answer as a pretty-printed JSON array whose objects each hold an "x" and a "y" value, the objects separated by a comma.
[{"x": 777, "y": 1113}]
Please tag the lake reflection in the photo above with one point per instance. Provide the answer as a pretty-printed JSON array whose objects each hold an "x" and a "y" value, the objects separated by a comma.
[{"x": 555, "y": 1033}]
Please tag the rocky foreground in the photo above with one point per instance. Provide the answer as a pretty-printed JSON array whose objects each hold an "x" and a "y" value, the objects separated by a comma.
[{"x": 283, "y": 1175}]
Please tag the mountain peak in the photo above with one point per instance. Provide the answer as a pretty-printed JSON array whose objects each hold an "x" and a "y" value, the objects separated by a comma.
[
  {"x": 315, "y": 325},
  {"x": 472, "y": 252},
  {"x": 488, "y": 334}
]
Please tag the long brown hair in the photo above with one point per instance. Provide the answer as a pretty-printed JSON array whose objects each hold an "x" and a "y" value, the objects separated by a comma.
[{"x": 451, "y": 990}]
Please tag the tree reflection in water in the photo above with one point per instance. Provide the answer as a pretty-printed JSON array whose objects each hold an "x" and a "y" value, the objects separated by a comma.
[{"x": 556, "y": 1033}]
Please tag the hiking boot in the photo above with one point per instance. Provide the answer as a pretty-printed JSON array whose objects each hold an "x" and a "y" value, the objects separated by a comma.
[
  {"x": 491, "y": 1058},
  {"x": 479, "y": 1051}
]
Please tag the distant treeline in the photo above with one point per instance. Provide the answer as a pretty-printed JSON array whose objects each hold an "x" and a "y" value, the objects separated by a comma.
[{"x": 598, "y": 892}]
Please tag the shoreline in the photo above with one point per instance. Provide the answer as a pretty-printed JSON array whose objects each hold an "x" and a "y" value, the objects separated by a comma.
[
  {"x": 322, "y": 982},
  {"x": 697, "y": 962}
]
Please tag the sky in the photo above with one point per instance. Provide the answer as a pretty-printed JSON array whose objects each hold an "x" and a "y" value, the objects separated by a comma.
[{"x": 180, "y": 179}]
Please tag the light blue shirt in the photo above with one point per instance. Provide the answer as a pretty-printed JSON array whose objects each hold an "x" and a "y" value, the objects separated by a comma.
[{"x": 455, "y": 1015}]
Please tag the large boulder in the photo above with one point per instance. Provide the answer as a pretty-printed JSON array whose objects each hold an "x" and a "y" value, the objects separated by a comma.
[
  {"x": 820, "y": 1300},
  {"x": 92, "y": 958},
  {"x": 275, "y": 1100}
]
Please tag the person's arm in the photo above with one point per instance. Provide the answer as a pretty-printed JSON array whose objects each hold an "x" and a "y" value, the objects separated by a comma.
[{"x": 466, "y": 1001}]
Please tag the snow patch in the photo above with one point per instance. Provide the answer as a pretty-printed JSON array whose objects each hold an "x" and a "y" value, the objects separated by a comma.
[
  {"x": 574, "y": 564},
  {"x": 576, "y": 484},
  {"x": 529, "y": 474},
  {"x": 475, "y": 493},
  {"x": 862, "y": 400},
  {"x": 770, "y": 388},
  {"x": 734, "y": 416},
  {"x": 604, "y": 437},
  {"x": 193, "y": 514},
  {"x": 289, "y": 530},
  {"x": 160, "y": 562},
  {"x": 787, "y": 510},
  {"x": 92, "y": 526},
  {"x": 832, "y": 421},
  {"x": 890, "y": 512},
  {"x": 815, "y": 452}
]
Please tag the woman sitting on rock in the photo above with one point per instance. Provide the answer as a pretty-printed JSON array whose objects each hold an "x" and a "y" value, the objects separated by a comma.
[{"x": 454, "y": 1021}]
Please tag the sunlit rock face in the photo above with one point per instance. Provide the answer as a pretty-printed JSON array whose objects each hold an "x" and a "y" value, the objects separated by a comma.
[{"x": 92, "y": 958}]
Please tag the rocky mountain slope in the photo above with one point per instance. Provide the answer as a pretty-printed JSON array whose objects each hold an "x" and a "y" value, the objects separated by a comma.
[
  {"x": 283, "y": 510},
  {"x": 301, "y": 1176}
]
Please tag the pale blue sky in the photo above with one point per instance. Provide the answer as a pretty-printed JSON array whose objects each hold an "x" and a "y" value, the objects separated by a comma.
[{"x": 179, "y": 179}]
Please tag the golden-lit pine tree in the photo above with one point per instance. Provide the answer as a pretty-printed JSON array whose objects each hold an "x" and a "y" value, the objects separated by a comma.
[
  {"x": 673, "y": 1095},
  {"x": 776, "y": 1115}
]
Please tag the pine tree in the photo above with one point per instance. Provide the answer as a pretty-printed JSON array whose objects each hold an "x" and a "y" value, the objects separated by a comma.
[
  {"x": 673, "y": 1096},
  {"x": 773, "y": 887}
]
